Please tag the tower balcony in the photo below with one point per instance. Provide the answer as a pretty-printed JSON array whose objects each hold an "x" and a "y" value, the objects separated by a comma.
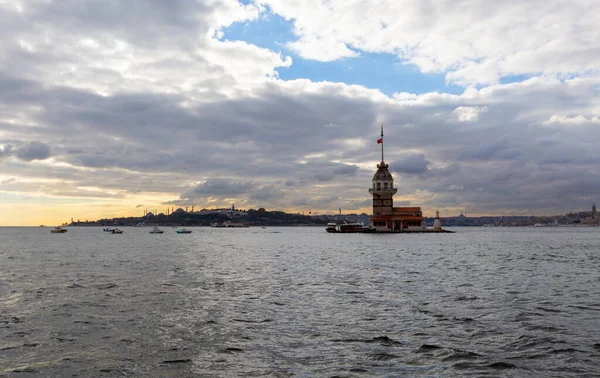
[{"x": 391, "y": 191}]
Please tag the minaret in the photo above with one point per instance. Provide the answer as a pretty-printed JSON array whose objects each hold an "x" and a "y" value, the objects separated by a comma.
[
  {"x": 594, "y": 210},
  {"x": 437, "y": 225},
  {"x": 383, "y": 187}
]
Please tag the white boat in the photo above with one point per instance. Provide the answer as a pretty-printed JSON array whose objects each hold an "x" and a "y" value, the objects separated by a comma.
[
  {"x": 58, "y": 230},
  {"x": 331, "y": 227},
  {"x": 156, "y": 230},
  {"x": 350, "y": 228}
]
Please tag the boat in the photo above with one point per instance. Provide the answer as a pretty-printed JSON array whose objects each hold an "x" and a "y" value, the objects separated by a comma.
[
  {"x": 183, "y": 231},
  {"x": 117, "y": 231},
  {"x": 156, "y": 230},
  {"x": 58, "y": 230},
  {"x": 349, "y": 228},
  {"x": 331, "y": 227},
  {"x": 108, "y": 229}
]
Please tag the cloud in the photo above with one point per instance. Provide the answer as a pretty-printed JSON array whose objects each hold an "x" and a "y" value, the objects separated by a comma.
[
  {"x": 410, "y": 164},
  {"x": 127, "y": 149},
  {"x": 220, "y": 187},
  {"x": 268, "y": 192},
  {"x": 6, "y": 150},
  {"x": 496, "y": 149},
  {"x": 33, "y": 151},
  {"x": 563, "y": 120},
  {"x": 91, "y": 98},
  {"x": 27, "y": 152},
  {"x": 468, "y": 113},
  {"x": 346, "y": 169},
  {"x": 321, "y": 49},
  {"x": 465, "y": 40}
]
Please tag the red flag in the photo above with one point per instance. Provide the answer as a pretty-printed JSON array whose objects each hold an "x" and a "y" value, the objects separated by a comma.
[{"x": 380, "y": 140}]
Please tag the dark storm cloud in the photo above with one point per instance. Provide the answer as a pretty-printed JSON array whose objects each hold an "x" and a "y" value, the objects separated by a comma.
[
  {"x": 330, "y": 202},
  {"x": 233, "y": 136},
  {"x": 349, "y": 170},
  {"x": 411, "y": 164},
  {"x": 33, "y": 151},
  {"x": 220, "y": 187},
  {"x": 5, "y": 151},
  {"x": 268, "y": 192},
  {"x": 27, "y": 152},
  {"x": 132, "y": 135},
  {"x": 498, "y": 149}
]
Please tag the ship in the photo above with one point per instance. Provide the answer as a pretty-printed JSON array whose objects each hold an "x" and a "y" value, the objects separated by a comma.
[{"x": 349, "y": 228}]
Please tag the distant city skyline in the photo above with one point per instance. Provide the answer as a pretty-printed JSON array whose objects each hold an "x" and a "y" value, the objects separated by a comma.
[{"x": 107, "y": 108}]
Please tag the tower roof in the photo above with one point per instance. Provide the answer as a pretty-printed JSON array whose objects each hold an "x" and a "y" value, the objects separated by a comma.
[{"x": 382, "y": 172}]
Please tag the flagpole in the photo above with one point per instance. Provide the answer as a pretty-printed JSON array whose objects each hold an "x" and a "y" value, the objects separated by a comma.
[{"x": 382, "y": 143}]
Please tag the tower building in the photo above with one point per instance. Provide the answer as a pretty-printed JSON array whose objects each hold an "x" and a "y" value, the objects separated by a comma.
[
  {"x": 594, "y": 210},
  {"x": 386, "y": 217}
]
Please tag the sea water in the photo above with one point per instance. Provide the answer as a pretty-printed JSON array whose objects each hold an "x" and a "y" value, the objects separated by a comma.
[{"x": 287, "y": 302}]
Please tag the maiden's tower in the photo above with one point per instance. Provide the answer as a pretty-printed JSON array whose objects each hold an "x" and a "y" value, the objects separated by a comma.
[{"x": 386, "y": 217}]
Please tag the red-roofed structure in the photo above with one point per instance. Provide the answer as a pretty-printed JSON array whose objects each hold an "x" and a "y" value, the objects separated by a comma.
[{"x": 386, "y": 217}]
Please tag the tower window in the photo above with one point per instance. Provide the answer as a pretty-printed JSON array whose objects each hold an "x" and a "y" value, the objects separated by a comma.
[
  {"x": 378, "y": 186},
  {"x": 385, "y": 186}
]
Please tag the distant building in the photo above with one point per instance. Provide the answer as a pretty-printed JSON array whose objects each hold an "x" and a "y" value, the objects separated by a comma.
[
  {"x": 594, "y": 211},
  {"x": 386, "y": 217}
]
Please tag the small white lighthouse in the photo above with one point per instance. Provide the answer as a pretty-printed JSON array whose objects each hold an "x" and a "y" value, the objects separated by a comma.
[{"x": 437, "y": 225}]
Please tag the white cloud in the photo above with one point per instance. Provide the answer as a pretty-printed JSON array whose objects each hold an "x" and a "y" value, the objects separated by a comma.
[
  {"x": 557, "y": 120},
  {"x": 475, "y": 42},
  {"x": 136, "y": 46},
  {"x": 468, "y": 113},
  {"x": 322, "y": 49}
]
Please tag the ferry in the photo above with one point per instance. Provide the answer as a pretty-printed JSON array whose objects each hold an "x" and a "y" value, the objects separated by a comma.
[
  {"x": 349, "y": 228},
  {"x": 331, "y": 227}
]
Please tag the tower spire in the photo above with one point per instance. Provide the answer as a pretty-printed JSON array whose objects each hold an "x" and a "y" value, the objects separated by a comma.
[{"x": 382, "y": 142}]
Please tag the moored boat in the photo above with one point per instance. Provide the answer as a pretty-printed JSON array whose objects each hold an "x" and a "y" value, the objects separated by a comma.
[
  {"x": 331, "y": 227},
  {"x": 156, "y": 230},
  {"x": 349, "y": 228},
  {"x": 183, "y": 231}
]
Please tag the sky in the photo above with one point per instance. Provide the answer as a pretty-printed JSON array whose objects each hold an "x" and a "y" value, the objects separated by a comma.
[{"x": 112, "y": 107}]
